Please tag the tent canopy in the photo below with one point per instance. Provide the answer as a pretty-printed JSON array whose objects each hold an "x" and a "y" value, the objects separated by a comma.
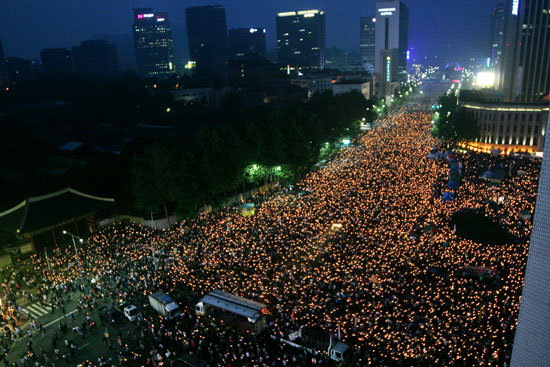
[{"x": 447, "y": 196}]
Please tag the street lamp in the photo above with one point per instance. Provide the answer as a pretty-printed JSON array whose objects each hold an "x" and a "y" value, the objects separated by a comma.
[{"x": 74, "y": 244}]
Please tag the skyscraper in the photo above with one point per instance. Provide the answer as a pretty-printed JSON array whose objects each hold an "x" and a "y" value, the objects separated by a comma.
[
  {"x": 207, "y": 34},
  {"x": 153, "y": 43},
  {"x": 531, "y": 342},
  {"x": 301, "y": 39},
  {"x": 524, "y": 75},
  {"x": 246, "y": 43},
  {"x": 57, "y": 60},
  {"x": 3, "y": 68},
  {"x": 367, "y": 41},
  {"x": 95, "y": 58},
  {"x": 392, "y": 33},
  {"x": 497, "y": 34}
]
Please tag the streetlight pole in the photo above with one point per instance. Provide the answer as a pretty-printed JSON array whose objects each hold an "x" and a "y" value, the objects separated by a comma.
[
  {"x": 47, "y": 260},
  {"x": 74, "y": 245}
]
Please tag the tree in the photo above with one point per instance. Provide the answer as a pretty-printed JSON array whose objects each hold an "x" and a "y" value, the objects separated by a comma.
[
  {"x": 453, "y": 124},
  {"x": 155, "y": 177}
]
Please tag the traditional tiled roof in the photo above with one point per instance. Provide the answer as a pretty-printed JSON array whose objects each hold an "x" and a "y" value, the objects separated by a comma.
[{"x": 40, "y": 213}]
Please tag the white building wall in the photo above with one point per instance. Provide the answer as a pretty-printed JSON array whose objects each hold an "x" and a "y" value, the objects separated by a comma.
[
  {"x": 362, "y": 88},
  {"x": 532, "y": 339},
  {"x": 383, "y": 12}
]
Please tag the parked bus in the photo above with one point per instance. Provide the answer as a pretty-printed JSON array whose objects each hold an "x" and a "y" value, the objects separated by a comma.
[{"x": 233, "y": 310}]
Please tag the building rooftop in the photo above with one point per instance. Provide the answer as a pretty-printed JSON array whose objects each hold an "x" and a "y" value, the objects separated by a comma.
[{"x": 40, "y": 213}]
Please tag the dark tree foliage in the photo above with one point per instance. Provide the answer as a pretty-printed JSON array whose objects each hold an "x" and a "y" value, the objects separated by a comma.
[
  {"x": 452, "y": 123},
  {"x": 155, "y": 176},
  {"x": 211, "y": 166}
]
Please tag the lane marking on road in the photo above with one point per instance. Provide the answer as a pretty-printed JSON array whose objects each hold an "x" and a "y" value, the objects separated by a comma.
[
  {"x": 85, "y": 345},
  {"x": 33, "y": 314},
  {"x": 60, "y": 318},
  {"x": 37, "y": 309},
  {"x": 45, "y": 326}
]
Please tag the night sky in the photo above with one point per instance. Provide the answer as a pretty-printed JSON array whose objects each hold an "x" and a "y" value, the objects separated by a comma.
[{"x": 451, "y": 29}]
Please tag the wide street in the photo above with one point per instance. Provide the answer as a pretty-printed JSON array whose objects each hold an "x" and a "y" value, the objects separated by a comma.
[{"x": 391, "y": 283}]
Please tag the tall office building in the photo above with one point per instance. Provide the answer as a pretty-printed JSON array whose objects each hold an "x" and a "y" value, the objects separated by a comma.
[
  {"x": 246, "y": 43},
  {"x": 95, "y": 58},
  {"x": 531, "y": 342},
  {"x": 3, "y": 68},
  {"x": 207, "y": 34},
  {"x": 367, "y": 41},
  {"x": 57, "y": 60},
  {"x": 301, "y": 39},
  {"x": 153, "y": 43},
  {"x": 497, "y": 34},
  {"x": 392, "y": 33},
  {"x": 524, "y": 75}
]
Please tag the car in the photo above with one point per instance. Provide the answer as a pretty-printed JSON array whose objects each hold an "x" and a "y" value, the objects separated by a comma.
[
  {"x": 110, "y": 315},
  {"x": 131, "y": 312}
]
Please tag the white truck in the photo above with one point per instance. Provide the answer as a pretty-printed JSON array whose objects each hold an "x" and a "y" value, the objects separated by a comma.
[
  {"x": 131, "y": 312},
  {"x": 164, "y": 305},
  {"x": 339, "y": 353},
  {"x": 320, "y": 344}
]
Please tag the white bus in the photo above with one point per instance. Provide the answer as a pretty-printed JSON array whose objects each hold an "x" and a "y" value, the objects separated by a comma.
[{"x": 233, "y": 310}]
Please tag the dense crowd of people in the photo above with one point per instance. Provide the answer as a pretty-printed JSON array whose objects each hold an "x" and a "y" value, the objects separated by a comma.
[{"x": 336, "y": 253}]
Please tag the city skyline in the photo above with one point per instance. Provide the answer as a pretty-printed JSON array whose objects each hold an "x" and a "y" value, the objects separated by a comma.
[
  {"x": 457, "y": 34},
  {"x": 309, "y": 183}
]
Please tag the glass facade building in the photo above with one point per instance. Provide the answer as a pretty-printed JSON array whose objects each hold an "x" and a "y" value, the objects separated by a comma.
[
  {"x": 301, "y": 39},
  {"x": 524, "y": 73},
  {"x": 207, "y": 35},
  {"x": 367, "y": 41},
  {"x": 497, "y": 34},
  {"x": 153, "y": 43}
]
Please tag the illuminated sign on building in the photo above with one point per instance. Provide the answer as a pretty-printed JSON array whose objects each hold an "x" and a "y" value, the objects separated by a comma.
[
  {"x": 253, "y": 30},
  {"x": 148, "y": 15},
  {"x": 305, "y": 13},
  {"x": 160, "y": 19},
  {"x": 386, "y": 11},
  {"x": 408, "y": 55},
  {"x": 515, "y": 7}
]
